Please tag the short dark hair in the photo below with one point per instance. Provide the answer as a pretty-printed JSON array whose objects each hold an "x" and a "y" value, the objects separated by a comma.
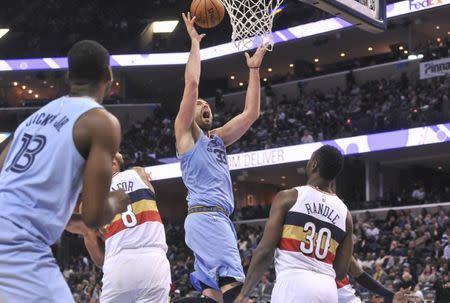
[
  {"x": 88, "y": 63},
  {"x": 330, "y": 161}
]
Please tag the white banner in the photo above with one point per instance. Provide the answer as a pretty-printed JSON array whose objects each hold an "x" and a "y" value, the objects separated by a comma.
[
  {"x": 435, "y": 68},
  {"x": 348, "y": 146}
]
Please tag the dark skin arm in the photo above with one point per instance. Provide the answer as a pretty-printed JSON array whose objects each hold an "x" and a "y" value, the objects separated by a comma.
[
  {"x": 93, "y": 239},
  {"x": 97, "y": 137},
  {"x": 344, "y": 251},
  {"x": 355, "y": 270},
  {"x": 263, "y": 255}
]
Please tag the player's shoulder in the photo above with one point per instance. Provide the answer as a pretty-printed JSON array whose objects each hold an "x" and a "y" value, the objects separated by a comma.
[
  {"x": 99, "y": 121},
  {"x": 286, "y": 199}
]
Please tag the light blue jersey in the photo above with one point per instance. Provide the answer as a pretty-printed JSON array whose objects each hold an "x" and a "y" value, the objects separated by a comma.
[
  {"x": 206, "y": 174},
  {"x": 42, "y": 174},
  {"x": 40, "y": 184}
]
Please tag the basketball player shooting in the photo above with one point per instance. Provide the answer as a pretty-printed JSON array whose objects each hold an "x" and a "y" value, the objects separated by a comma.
[
  {"x": 64, "y": 147},
  {"x": 210, "y": 233}
]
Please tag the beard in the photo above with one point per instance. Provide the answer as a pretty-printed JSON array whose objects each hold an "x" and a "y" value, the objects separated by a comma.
[{"x": 203, "y": 125}]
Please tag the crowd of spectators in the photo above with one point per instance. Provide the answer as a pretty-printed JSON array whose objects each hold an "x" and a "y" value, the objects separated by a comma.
[
  {"x": 400, "y": 250},
  {"x": 374, "y": 106}
]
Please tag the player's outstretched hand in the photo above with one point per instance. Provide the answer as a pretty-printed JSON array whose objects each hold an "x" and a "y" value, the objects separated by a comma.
[
  {"x": 189, "y": 22},
  {"x": 255, "y": 60},
  {"x": 119, "y": 201},
  {"x": 405, "y": 296}
]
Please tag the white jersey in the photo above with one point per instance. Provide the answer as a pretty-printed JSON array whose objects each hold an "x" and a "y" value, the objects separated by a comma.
[
  {"x": 141, "y": 225},
  {"x": 346, "y": 293},
  {"x": 312, "y": 231}
]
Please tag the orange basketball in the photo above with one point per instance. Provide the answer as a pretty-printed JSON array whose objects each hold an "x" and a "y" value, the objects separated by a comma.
[{"x": 208, "y": 13}]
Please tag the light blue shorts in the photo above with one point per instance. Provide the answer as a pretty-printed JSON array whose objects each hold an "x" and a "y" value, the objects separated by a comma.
[
  {"x": 212, "y": 238},
  {"x": 28, "y": 271}
]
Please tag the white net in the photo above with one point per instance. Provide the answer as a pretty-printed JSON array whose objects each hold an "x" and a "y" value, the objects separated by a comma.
[{"x": 252, "y": 22}]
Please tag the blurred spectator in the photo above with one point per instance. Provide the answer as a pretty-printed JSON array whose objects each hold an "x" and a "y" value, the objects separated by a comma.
[
  {"x": 428, "y": 275},
  {"x": 418, "y": 193},
  {"x": 307, "y": 138}
]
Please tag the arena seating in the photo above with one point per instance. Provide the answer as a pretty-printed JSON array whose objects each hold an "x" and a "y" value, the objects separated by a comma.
[{"x": 374, "y": 106}]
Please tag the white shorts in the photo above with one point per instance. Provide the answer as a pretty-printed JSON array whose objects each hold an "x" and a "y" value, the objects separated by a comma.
[
  {"x": 346, "y": 294},
  {"x": 136, "y": 275},
  {"x": 304, "y": 286}
]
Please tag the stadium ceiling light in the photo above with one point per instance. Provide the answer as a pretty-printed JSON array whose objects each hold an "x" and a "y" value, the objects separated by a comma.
[
  {"x": 437, "y": 27},
  {"x": 342, "y": 54},
  {"x": 439, "y": 168},
  {"x": 265, "y": 79},
  {"x": 405, "y": 51},
  {"x": 262, "y": 180},
  {"x": 269, "y": 69},
  {"x": 3, "y": 31},
  {"x": 316, "y": 60},
  {"x": 400, "y": 47},
  {"x": 15, "y": 83},
  {"x": 36, "y": 96},
  {"x": 30, "y": 91},
  {"x": 291, "y": 65},
  {"x": 232, "y": 77},
  {"x": 370, "y": 49},
  {"x": 24, "y": 87},
  {"x": 164, "y": 26},
  {"x": 241, "y": 84}
]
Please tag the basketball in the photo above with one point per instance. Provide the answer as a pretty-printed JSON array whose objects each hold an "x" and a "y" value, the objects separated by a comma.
[{"x": 208, "y": 13}]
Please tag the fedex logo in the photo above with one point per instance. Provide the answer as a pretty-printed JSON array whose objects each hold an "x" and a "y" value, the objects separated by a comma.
[{"x": 421, "y": 4}]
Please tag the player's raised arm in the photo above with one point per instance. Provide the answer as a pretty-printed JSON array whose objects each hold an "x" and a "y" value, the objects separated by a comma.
[
  {"x": 345, "y": 250},
  {"x": 185, "y": 118},
  {"x": 97, "y": 137},
  {"x": 264, "y": 253},
  {"x": 238, "y": 126}
]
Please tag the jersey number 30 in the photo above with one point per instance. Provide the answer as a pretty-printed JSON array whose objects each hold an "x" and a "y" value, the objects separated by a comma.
[
  {"x": 316, "y": 243},
  {"x": 24, "y": 158}
]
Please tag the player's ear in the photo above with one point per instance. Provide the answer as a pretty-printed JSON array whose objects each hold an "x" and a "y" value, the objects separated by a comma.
[{"x": 314, "y": 165}]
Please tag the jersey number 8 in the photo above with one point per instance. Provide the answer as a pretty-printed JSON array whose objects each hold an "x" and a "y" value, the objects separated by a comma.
[
  {"x": 319, "y": 243},
  {"x": 129, "y": 218}
]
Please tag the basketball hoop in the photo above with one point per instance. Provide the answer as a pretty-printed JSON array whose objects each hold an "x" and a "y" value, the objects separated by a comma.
[{"x": 252, "y": 22}]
